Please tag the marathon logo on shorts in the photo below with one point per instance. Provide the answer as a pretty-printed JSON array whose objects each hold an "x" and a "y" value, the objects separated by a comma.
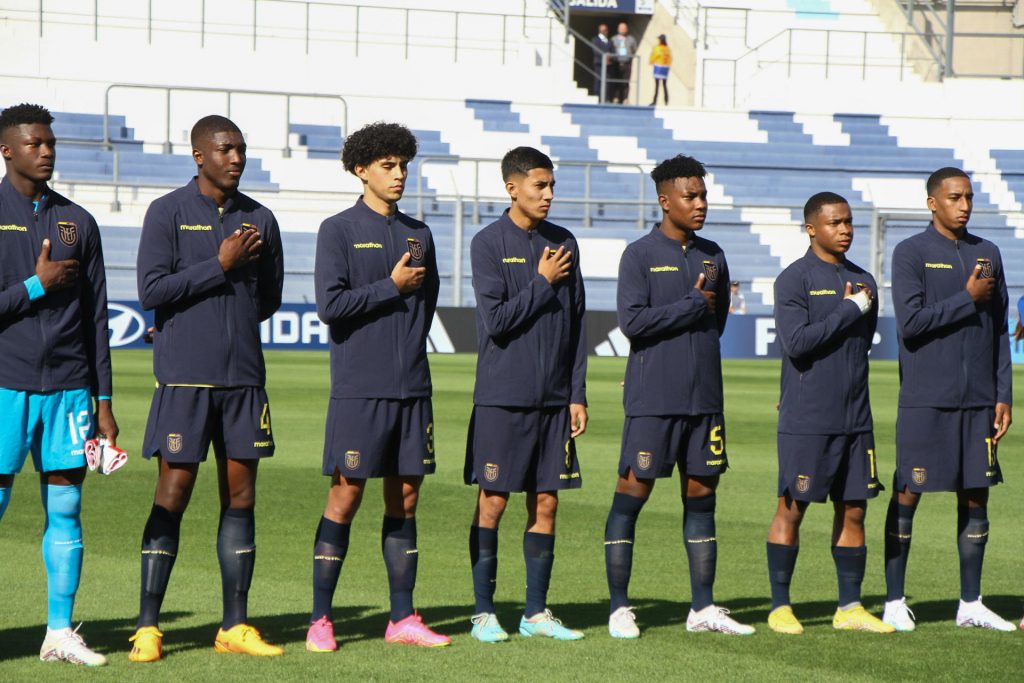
[
  {"x": 352, "y": 459},
  {"x": 174, "y": 443},
  {"x": 643, "y": 460},
  {"x": 919, "y": 476},
  {"x": 415, "y": 249},
  {"x": 490, "y": 471},
  {"x": 986, "y": 267},
  {"x": 803, "y": 483},
  {"x": 68, "y": 233},
  {"x": 711, "y": 271}
]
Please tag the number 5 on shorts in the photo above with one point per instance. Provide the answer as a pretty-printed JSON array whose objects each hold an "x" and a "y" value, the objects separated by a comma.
[{"x": 717, "y": 441}]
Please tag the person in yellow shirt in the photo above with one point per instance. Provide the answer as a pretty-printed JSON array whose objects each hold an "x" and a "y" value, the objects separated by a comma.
[{"x": 661, "y": 59}]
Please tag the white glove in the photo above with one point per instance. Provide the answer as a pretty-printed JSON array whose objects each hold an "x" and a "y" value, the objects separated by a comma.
[{"x": 863, "y": 301}]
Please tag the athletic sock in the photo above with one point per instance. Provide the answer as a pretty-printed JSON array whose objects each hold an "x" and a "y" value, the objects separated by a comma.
[
  {"x": 62, "y": 550},
  {"x": 329, "y": 550},
  {"x": 781, "y": 562},
  {"x": 539, "y": 553},
  {"x": 701, "y": 548},
  {"x": 899, "y": 527},
  {"x": 5, "y": 498},
  {"x": 483, "y": 556},
  {"x": 159, "y": 550},
  {"x": 619, "y": 534},
  {"x": 236, "y": 550},
  {"x": 398, "y": 545},
  {"x": 972, "y": 534},
  {"x": 850, "y": 563}
]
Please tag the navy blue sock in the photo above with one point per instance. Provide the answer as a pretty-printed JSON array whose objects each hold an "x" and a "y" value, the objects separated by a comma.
[
  {"x": 701, "y": 548},
  {"x": 398, "y": 545},
  {"x": 850, "y": 563},
  {"x": 972, "y": 534},
  {"x": 159, "y": 550},
  {"x": 329, "y": 550},
  {"x": 483, "y": 556},
  {"x": 619, "y": 533},
  {"x": 781, "y": 562},
  {"x": 899, "y": 527},
  {"x": 539, "y": 553},
  {"x": 236, "y": 550}
]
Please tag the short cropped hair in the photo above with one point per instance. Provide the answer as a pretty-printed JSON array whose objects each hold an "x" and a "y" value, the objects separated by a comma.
[
  {"x": 522, "y": 160},
  {"x": 816, "y": 202},
  {"x": 24, "y": 113},
  {"x": 679, "y": 166},
  {"x": 935, "y": 179},
  {"x": 378, "y": 141},
  {"x": 208, "y": 126}
]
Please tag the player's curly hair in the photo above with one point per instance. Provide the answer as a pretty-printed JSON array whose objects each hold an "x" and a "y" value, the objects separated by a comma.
[
  {"x": 935, "y": 179},
  {"x": 816, "y": 202},
  {"x": 377, "y": 141},
  {"x": 679, "y": 166},
  {"x": 24, "y": 113}
]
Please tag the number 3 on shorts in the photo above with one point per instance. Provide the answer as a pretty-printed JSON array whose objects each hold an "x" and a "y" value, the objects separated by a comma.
[{"x": 717, "y": 442}]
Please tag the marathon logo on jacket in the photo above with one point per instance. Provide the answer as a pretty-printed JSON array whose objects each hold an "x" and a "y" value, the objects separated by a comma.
[
  {"x": 513, "y": 259},
  {"x": 822, "y": 292},
  {"x": 195, "y": 228},
  {"x": 67, "y": 232},
  {"x": 986, "y": 267},
  {"x": 13, "y": 228},
  {"x": 665, "y": 269},
  {"x": 367, "y": 245},
  {"x": 711, "y": 271},
  {"x": 940, "y": 266}
]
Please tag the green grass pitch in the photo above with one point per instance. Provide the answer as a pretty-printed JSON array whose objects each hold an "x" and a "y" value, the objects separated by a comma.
[{"x": 291, "y": 496}]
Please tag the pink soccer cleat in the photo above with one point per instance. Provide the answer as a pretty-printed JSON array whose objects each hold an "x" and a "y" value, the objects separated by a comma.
[
  {"x": 320, "y": 636},
  {"x": 412, "y": 631}
]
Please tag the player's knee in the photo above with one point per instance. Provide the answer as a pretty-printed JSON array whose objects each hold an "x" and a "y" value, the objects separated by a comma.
[
  {"x": 64, "y": 514},
  {"x": 546, "y": 507}
]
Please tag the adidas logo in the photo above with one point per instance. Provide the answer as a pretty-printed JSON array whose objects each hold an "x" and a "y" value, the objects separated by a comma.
[{"x": 616, "y": 345}]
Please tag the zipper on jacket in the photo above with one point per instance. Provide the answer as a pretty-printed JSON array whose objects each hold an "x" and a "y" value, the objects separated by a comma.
[
  {"x": 695, "y": 371},
  {"x": 230, "y": 328},
  {"x": 39, "y": 318},
  {"x": 846, "y": 361},
  {"x": 542, "y": 341},
  {"x": 963, "y": 357},
  {"x": 397, "y": 343}
]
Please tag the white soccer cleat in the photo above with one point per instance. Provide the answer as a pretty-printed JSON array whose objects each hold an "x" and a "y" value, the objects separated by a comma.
[
  {"x": 622, "y": 624},
  {"x": 65, "y": 645},
  {"x": 976, "y": 615},
  {"x": 715, "y": 618},
  {"x": 899, "y": 616}
]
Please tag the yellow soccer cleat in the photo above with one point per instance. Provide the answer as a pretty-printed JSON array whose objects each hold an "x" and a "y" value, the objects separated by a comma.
[
  {"x": 246, "y": 640},
  {"x": 148, "y": 645},
  {"x": 782, "y": 620},
  {"x": 859, "y": 619}
]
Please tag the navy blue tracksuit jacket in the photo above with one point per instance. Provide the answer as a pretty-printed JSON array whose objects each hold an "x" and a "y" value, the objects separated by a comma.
[
  {"x": 675, "y": 364},
  {"x": 60, "y": 340},
  {"x": 531, "y": 335},
  {"x": 378, "y": 336},
  {"x": 207, "y": 320},
  {"x": 953, "y": 353},
  {"x": 825, "y": 342}
]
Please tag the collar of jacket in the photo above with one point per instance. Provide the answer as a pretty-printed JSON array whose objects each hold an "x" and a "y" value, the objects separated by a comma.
[
  {"x": 663, "y": 239},
  {"x": 9, "y": 193},
  {"x": 509, "y": 226},
  {"x": 933, "y": 232},
  {"x": 368, "y": 214},
  {"x": 230, "y": 202},
  {"x": 816, "y": 260}
]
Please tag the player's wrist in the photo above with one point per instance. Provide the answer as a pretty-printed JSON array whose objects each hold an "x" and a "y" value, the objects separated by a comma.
[{"x": 34, "y": 287}]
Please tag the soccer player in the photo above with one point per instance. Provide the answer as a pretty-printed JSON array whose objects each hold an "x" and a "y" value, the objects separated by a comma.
[
  {"x": 376, "y": 286},
  {"x": 210, "y": 264},
  {"x": 673, "y": 300},
  {"x": 56, "y": 357},
  {"x": 529, "y": 404},
  {"x": 949, "y": 293},
  {"x": 825, "y": 317}
]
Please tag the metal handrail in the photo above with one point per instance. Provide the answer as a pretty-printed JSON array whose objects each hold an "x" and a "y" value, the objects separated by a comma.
[
  {"x": 169, "y": 89},
  {"x": 586, "y": 200}
]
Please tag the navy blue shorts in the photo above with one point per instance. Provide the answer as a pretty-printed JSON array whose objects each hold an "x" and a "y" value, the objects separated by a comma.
[
  {"x": 815, "y": 466},
  {"x": 183, "y": 421},
  {"x": 652, "y": 445},
  {"x": 521, "y": 449},
  {"x": 940, "y": 449},
  {"x": 369, "y": 438}
]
